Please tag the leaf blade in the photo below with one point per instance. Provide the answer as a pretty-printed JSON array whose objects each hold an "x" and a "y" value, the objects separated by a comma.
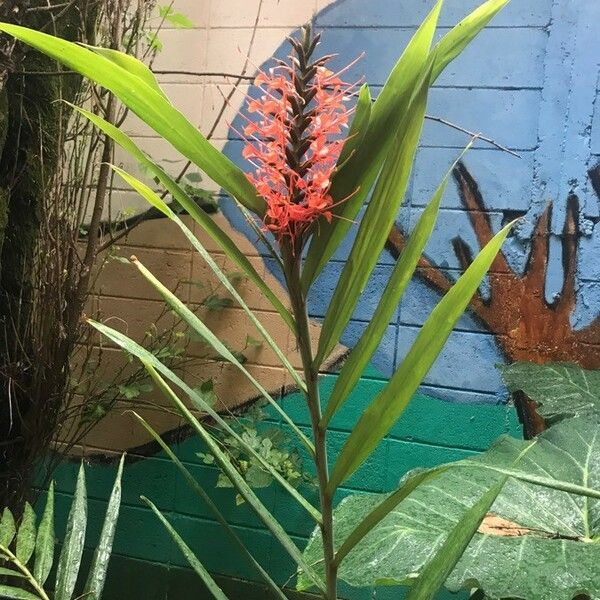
[
  {"x": 199, "y": 490},
  {"x": 404, "y": 269},
  {"x": 7, "y": 528},
  {"x": 192, "y": 559},
  {"x": 204, "y": 220},
  {"x": 70, "y": 556},
  {"x": 97, "y": 574},
  {"x": 353, "y": 182},
  {"x": 387, "y": 407},
  {"x": 26, "y": 535},
  {"x": 376, "y": 223},
  {"x": 149, "y": 105},
  {"x": 44, "y": 545}
]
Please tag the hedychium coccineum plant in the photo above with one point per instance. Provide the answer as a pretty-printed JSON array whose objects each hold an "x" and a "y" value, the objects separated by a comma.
[{"x": 308, "y": 182}]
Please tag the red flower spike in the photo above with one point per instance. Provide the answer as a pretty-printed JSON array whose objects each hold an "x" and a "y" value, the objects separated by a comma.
[{"x": 293, "y": 141}]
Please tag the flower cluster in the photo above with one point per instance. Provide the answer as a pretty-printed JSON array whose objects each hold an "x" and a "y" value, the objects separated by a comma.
[{"x": 294, "y": 138}]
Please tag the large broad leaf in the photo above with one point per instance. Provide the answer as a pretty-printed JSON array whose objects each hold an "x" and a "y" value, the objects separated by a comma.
[
  {"x": 536, "y": 543},
  {"x": 559, "y": 390},
  {"x": 133, "y": 86}
]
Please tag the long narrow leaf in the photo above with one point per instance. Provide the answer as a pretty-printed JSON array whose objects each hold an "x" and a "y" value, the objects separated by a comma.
[
  {"x": 204, "y": 220},
  {"x": 44, "y": 544},
  {"x": 387, "y": 407},
  {"x": 376, "y": 223},
  {"x": 401, "y": 275},
  {"x": 97, "y": 574},
  {"x": 238, "y": 481},
  {"x": 353, "y": 182},
  {"x": 26, "y": 535},
  {"x": 129, "y": 63},
  {"x": 460, "y": 36},
  {"x": 193, "y": 483},
  {"x": 149, "y": 105},
  {"x": 70, "y": 556},
  {"x": 154, "y": 199},
  {"x": 149, "y": 359},
  {"x": 7, "y": 528},
  {"x": 192, "y": 559},
  {"x": 12, "y": 593},
  {"x": 201, "y": 329},
  {"x": 436, "y": 571},
  {"x": 10, "y": 573},
  {"x": 414, "y": 480},
  {"x": 359, "y": 126}
]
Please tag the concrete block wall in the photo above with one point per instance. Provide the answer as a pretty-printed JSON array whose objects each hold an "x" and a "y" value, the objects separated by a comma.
[{"x": 529, "y": 82}]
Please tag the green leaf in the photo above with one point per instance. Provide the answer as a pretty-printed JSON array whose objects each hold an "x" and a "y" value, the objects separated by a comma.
[
  {"x": 212, "y": 507},
  {"x": 208, "y": 225},
  {"x": 559, "y": 390},
  {"x": 10, "y": 573},
  {"x": 149, "y": 105},
  {"x": 352, "y": 184},
  {"x": 460, "y": 36},
  {"x": 131, "y": 64},
  {"x": 390, "y": 403},
  {"x": 44, "y": 544},
  {"x": 148, "y": 360},
  {"x": 7, "y": 528},
  {"x": 178, "y": 19},
  {"x": 359, "y": 174},
  {"x": 192, "y": 559},
  {"x": 13, "y": 593},
  {"x": 201, "y": 329},
  {"x": 408, "y": 484},
  {"x": 359, "y": 126},
  {"x": 376, "y": 224},
  {"x": 26, "y": 535},
  {"x": 243, "y": 488},
  {"x": 437, "y": 570},
  {"x": 403, "y": 271},
  {"x": 537, "y": 542},
  {"x": 70, "y": 556},
  {"x": 97, "y": 573}
]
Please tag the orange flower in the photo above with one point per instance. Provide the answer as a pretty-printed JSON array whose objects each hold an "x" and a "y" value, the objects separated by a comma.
[{"x": 293, "y": 139}]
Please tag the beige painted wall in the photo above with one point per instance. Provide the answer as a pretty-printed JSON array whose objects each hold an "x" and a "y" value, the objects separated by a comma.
[{"x": 219, "y": 42}]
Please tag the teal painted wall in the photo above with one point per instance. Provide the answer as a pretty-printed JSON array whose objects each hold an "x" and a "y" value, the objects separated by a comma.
[{"x": 431, "y": 432}]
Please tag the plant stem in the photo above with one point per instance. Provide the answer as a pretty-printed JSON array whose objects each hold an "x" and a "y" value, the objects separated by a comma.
[
  {"x": 26, "y": 572},
  {"x": 292, "y": 260}
]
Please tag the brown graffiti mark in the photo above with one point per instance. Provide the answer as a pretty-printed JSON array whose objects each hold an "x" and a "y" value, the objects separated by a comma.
[{"x": 526, "y": 326}]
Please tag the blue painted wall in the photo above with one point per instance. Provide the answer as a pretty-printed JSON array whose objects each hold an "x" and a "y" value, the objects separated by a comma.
[{"x": 530, "y": 81}]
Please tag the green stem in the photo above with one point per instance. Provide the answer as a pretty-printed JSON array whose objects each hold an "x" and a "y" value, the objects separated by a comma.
[
  {"x": 292, "y": 261},
  {"x": 26, "y": 572}
]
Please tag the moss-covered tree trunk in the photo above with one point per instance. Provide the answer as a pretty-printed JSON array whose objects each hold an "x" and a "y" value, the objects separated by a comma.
[{"x": 31, "y": 119}]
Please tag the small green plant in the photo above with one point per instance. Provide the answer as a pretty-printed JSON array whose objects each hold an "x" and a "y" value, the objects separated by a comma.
[
  {"x": 27, "y": 551},
  {"x": 271, "y": 444}
]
